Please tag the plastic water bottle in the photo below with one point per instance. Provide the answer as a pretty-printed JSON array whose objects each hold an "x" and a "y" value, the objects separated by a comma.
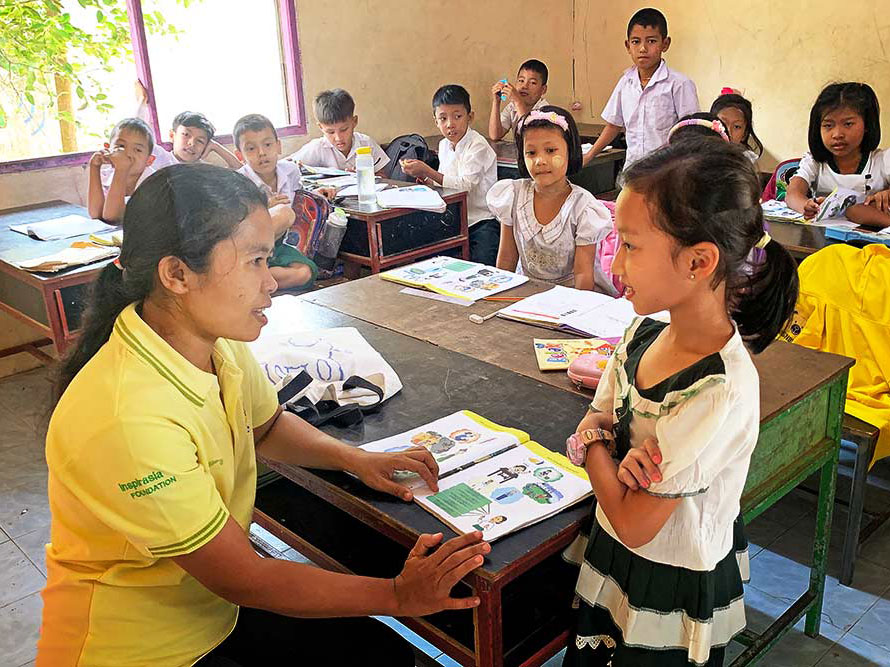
[
  {"x": 329, "y": 240},
  {"x": 364, "y": 169},
  {"x": 503, "y": 95}
]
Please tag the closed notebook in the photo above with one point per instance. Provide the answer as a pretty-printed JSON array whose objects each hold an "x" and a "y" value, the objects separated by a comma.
[
  {"x": 491, "y": 478},
  {"x": 68, "y": 258},
  {"x": 413, "y": 196}
]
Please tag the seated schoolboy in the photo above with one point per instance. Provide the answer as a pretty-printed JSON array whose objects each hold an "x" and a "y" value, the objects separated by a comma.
[
  {"x": 466, "y": 162},
  {"x": 117, "y": 170},
  {"x": 335, "y": 114},
  {"x": 257, "y": 144},
  {"x": 191, "y": 134},
  {"x": 524, "y": 95},
  {"x": 649, "y": 97}
]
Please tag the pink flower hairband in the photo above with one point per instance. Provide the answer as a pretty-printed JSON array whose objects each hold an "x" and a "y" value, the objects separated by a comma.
[
  {"x": 716, "y": 125},
  {"x": 549, "y": 116}
]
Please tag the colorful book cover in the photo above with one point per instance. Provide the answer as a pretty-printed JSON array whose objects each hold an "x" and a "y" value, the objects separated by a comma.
[{"x": 557, "y": 354}]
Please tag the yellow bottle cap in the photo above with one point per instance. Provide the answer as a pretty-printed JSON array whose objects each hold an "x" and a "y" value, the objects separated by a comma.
[{"x": 364, "y": 150}]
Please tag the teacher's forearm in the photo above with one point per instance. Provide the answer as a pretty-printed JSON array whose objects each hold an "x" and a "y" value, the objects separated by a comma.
[{"x": 294, "y": 441}]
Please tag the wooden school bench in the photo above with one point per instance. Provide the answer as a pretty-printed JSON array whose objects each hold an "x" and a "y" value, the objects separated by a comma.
[
  {"x": 802, "y": 398},
  {"x": 52, "y": 303},
  {"x": 381, "y": 238}
]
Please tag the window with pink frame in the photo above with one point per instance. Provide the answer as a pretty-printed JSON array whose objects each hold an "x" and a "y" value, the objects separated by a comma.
[{"x": 223, "y": 61}]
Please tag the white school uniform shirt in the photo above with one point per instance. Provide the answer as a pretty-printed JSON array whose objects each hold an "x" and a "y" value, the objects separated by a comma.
[
  {"x": 163, "y": 157},
  {"x": 822, "y": 179},
  {"x": 510, "y": 115},
  {"x": 472, "y": 165},
  {"x": 322, "y": 153},
  {"x": 288, "y": 175},
  {"x": 106, "y": 173},
  {"x": 706, "y": 433},
  {"x": 547, "y": 252},
  {"x": 647, "y": 114}
]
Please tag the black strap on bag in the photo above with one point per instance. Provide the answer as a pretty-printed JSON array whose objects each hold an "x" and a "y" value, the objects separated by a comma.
[{"x": 325, "y": 412}]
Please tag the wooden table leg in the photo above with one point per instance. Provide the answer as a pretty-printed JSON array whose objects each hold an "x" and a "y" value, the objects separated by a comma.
[
  {"x": 489, "y": 626},
  {"x": 827, "y": 483}
]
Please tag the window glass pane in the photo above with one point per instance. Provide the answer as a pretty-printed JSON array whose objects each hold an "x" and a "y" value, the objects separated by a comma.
[
  {"x": 225, "y": 61},
  {"x": 34, "y": 129}
]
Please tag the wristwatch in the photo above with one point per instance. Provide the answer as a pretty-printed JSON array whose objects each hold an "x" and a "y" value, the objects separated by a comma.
[{"x": 577, "y": 444}]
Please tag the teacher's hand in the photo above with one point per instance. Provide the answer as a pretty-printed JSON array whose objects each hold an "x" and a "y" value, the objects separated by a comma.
[
  {"x": 425, "y": 583},
  {"x": 377, "y": 470}
]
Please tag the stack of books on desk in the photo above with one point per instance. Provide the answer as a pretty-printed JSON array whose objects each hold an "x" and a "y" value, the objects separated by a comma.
[
  {"x": 62, "y": 228},
  {"x": 78, "y": 255}
]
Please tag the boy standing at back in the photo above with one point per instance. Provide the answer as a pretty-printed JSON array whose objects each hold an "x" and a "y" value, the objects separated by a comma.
[
  {"x": 649, "y": 97},
  {"x": 335, "y": 114},
  {"x": 526, "y": 94},
  {"x": 256, "y": 142},
  {"x": 466, "y": 162}
]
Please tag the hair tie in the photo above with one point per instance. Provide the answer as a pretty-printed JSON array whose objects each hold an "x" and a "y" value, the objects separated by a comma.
[
  {"x": 549, "y": 116},
  {"x": 117, "y": 263},
  {"x": 726, "y": 90},
  {"x": 764, "y": 240},
  {"x": 716, "y": 125}
]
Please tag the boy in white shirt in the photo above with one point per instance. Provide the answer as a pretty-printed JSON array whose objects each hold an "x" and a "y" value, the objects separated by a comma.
[
  {"x": 119, "y": 168},
  {"x": 335, "y": 113},
  {"x": 257, "y": 144},
  {"x": 649, "y": 97},
  {"x": 466, "y": 162},
  {"x": 525, "y": 95}
]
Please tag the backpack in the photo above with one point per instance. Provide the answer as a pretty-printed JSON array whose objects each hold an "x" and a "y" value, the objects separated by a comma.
[
  {"x": 408, "y": 146},
  {"x": 777, "y": 186},
  {"x": 311, "y": 210}
]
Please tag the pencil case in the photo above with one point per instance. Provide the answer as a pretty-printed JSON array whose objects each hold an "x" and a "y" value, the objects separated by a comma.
[{"x": 587, "y": 369}]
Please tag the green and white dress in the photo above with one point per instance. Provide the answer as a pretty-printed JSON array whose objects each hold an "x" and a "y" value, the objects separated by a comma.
[{"x": 676, "y": 600}]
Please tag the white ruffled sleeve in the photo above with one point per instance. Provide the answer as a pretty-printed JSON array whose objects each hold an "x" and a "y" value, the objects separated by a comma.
[
  {"x": 500, "y": 199},
  {"x": 687, "y": 437},
  {"x": 592, "y": 221}
]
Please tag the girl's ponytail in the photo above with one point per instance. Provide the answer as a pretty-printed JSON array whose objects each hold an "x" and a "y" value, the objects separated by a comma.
[{"x": 763, "y": 304}]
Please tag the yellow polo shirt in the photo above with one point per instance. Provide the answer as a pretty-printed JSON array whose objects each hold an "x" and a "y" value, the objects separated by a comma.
[{"x": 148, "y": 457}]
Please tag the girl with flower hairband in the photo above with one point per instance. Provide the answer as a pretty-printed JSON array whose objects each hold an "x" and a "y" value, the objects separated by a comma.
[
  {"x": 550, "y": 228},
  {"x": 698, "y": 125}
]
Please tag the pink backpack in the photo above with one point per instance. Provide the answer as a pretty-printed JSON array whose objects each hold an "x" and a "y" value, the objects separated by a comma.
[{"x": 609, "y": 248}]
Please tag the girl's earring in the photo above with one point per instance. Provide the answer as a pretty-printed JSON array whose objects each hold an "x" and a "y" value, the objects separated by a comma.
[{"x": 691, "y": 276}]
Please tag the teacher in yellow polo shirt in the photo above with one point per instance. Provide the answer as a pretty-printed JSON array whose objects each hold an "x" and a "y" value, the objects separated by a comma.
[{"x": 152, "y": 464}]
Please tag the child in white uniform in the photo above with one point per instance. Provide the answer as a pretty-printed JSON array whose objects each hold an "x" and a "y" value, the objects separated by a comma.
[
  {"x": 662, "y": 570},
  {"x": 550, "y": 227},
  {"x": 843, "y": 139}
]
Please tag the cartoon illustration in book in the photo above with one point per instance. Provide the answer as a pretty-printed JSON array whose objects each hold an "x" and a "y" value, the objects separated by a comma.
[
  {"x": 398, "y": 448},
  {"x": 542, "y": 492},
  {"x": 506, "y": 495},
  {"x": 535, "y": 461},
  {"x": 548, "y": 474},
  {"x": 489, "y": 522},
  {"x": 435, "y": 442},
  {"x": 506, "y": 474},
  {"x": 483, "y": 485},
  {"x": 464, "y": 436}
]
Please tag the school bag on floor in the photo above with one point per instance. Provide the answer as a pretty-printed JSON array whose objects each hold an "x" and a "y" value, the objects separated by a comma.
[{"x": 406, "y": 147}]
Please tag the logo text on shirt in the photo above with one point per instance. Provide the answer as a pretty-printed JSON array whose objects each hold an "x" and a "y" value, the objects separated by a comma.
[{"x": 142, "y": 486}]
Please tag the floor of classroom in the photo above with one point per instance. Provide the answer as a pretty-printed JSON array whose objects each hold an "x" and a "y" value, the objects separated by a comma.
[{"x": 854, "y": 624}]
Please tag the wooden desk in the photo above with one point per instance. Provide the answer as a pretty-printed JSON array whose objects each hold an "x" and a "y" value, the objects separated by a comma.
[
  {"x": 50, "y": 302},
  {"x": 800, "y": 240},
  {"x": 801, "y": 404},
  {"x": 381, "y": 238},
  {"x": 524, "y": 586}
]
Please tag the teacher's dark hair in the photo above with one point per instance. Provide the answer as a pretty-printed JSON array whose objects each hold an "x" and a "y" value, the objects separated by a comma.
[
  {"x": 180, "y": 211},
  {"x": 703, "y": 189}
]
